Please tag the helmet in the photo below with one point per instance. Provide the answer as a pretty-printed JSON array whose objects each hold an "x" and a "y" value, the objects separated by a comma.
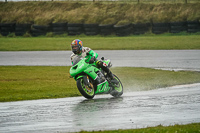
[{"x": 76, "y": 46}]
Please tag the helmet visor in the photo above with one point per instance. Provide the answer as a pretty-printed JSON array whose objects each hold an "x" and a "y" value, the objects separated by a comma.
[{"x": 75, "y": 47}]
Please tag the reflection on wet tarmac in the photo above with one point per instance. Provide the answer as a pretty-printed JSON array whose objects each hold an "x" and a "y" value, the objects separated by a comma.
[{"x": 167, "y": 106}]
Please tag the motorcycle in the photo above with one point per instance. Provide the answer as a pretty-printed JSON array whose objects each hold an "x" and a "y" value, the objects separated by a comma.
[{"x": 92, "y": 81}]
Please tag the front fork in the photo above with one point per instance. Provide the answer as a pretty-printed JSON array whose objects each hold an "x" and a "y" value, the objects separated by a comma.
[
  {"x": 87, "y": 82},
  {"x": 102, "y": 87}
]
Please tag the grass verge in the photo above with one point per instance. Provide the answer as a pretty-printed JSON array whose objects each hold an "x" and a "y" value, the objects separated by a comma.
[
  {"x": 43, "y": 82},
  {"x": 189, "y": 128},
  {"x": 158, "y": 42},
  {"x": 42, "y": 12}
]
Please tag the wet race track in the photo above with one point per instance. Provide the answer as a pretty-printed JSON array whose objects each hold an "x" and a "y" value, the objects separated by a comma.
[
  {"x": 169, "y": 59},
  {"x": 165, "y": 106}
]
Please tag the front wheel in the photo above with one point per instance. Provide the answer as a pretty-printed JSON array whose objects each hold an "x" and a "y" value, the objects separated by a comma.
[
  {"x": 86, "y": 89},
  {"x": 117, "y": 89}
]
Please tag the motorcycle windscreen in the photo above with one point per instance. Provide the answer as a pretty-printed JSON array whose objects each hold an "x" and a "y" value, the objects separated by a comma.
[{"x": 76, "y": 59}]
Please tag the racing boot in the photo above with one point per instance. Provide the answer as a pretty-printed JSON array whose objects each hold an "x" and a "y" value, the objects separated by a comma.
[
  {"x": 110, "y": 75},
  {"x": 107, "y": 70}
]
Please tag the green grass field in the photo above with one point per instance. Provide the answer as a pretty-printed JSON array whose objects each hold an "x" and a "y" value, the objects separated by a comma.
[
  {"x": 43, "y": 82},
  {"x": 155, "y": 42},
  {"x": 189, "y": 128},
  {"x": 42, "y": 12}
]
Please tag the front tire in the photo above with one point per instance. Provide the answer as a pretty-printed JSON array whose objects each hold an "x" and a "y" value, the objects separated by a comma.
[{"x": 85, "y": 90}]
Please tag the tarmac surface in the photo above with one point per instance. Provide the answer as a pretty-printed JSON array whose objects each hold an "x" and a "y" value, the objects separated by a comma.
[
  {"x": 165, "y": 59},
  {"x": 165, "y": 106}
]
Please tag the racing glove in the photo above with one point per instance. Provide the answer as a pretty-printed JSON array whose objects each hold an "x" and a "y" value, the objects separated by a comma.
[{"x": 92, "y": 60}]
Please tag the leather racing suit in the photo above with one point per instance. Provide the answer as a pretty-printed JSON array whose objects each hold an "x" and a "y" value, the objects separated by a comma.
[{"x": 99, "y": 64}]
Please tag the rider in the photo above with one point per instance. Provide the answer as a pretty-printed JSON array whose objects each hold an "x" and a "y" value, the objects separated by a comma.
[{"x": 79, "y": 50}]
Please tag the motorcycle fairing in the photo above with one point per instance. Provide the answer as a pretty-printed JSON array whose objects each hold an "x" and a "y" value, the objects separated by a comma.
[
  {"x": 91, "y": 71},
  {"x": 103, "y": 88}
]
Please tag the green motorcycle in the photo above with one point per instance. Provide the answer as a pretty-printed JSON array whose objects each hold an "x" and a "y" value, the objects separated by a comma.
[{"x": 91, "y": 80}]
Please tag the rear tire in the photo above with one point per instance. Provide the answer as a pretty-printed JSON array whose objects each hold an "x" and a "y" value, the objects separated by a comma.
[
  {"x": 85, "y": 90},
  {"x": 118, "y": 90}
]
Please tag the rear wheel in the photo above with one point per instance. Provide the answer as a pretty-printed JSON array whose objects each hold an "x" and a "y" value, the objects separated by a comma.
[
  {"x": 117, "y": 89},
  {"x": 86, "y": 88}
]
